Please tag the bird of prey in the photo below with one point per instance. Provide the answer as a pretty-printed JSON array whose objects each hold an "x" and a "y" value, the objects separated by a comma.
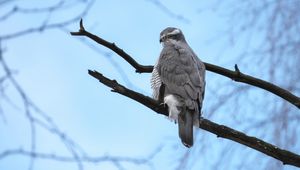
[{"x": 178, "y": 80}]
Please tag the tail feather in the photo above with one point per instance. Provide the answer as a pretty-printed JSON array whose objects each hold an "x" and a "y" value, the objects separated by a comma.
[
  {"x": 185, "y": 127},
  {"x": 185, "y": 117}
]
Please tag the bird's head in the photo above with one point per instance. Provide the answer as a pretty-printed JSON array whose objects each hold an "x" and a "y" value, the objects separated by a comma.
[{"x": 171, "y": 34}]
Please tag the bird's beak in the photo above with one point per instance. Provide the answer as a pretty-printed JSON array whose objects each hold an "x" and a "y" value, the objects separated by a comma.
[{"x": 161, "y": 38}]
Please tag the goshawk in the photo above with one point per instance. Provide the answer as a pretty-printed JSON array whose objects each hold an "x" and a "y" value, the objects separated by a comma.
[{"x": 178, "y": 80}]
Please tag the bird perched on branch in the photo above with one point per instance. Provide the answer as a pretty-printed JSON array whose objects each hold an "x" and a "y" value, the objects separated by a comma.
[{"x": 178, "y": 80}]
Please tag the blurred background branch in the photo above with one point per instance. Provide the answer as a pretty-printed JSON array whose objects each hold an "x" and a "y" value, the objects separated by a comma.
[
  {"x": 49, "y": 108},
  {"x": 37, "y": 118}
]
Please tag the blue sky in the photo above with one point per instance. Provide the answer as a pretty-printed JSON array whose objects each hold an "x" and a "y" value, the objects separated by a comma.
[{"x": 52, "y": 68}]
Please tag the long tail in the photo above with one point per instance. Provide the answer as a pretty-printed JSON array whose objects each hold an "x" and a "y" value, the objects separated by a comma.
[{"x": 185, "y": 127}]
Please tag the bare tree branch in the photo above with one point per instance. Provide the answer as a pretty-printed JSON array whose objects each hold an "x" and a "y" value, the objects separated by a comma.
[
  {"x": 234, "y": 75},
  {"x": 286, "y": 157}
]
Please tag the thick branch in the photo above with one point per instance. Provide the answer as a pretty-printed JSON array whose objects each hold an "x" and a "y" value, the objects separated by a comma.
[
  {"x": 286, "y": 157},
  {"x": 234, "y": 75}
]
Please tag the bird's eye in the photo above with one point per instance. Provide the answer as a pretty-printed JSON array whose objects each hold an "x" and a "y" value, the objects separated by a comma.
[{"x": 172, "y": 36}]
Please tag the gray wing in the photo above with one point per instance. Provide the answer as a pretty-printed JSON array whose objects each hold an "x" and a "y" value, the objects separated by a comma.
[
  {"x": 201, "y": 70},
  {"x": 181, "y": 71}
]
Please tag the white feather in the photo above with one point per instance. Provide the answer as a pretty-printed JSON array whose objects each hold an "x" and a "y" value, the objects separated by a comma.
[
  {"x": 176, "y": 31},
  {"x": 173, "y": 105}
]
